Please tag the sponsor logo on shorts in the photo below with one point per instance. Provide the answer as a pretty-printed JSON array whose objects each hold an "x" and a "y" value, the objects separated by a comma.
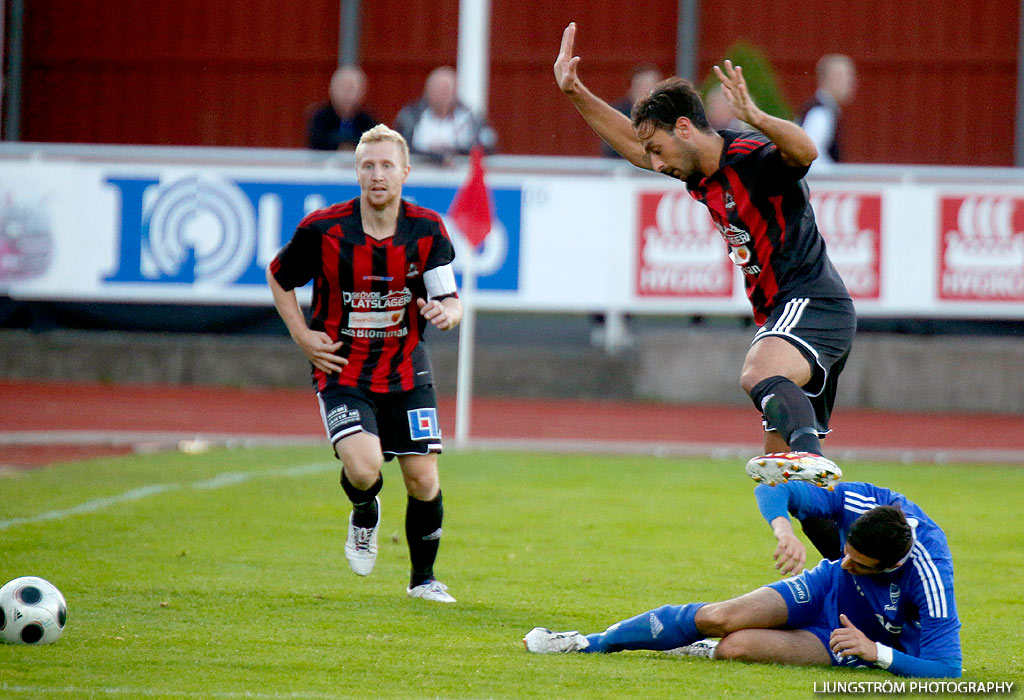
[
  {"x": 423, "y": 424},
  {"x": 798, "y": 588},
  {"x": 342, "y": 417}
]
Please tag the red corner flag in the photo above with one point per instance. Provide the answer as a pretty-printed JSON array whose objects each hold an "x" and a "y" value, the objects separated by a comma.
[{"x": 471, "y": 209}]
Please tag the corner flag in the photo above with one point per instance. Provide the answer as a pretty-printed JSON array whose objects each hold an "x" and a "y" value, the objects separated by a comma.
[{"x": 471, "y": 209}]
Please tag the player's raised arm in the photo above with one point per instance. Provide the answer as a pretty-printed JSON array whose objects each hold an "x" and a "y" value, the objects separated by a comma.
[
  {"x": 609, "y": 123},
  {"x": 795, "y": 146}
]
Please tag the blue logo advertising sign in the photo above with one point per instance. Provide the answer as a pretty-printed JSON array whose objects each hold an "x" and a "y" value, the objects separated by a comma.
[{"x": 206, "y": 228}]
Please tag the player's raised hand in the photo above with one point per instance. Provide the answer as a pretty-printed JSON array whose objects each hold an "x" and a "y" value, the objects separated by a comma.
[
  {"x": 566, "y": 63},
  {"x": 734, "y": 85},
  {"x": 319, "y": 349},
  {"x": 790, "y": 555},
  {"x": 850, "y": 641}
]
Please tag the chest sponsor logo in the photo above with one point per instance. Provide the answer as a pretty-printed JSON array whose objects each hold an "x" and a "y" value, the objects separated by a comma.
[
  {"x": 981, "y": 248},
  {"x": 372, "y": 301},
  {"x": 851, "y": 224},
  {"x": 375, "y": 319},
  {"x": 679, "y": 249}
]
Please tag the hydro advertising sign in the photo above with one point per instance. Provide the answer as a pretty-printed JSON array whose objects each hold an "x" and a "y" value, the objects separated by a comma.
[{"x": 215, "y": 235}]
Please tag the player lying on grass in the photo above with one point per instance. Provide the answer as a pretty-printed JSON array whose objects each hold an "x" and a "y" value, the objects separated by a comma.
[{"x": 887, "y": 603}]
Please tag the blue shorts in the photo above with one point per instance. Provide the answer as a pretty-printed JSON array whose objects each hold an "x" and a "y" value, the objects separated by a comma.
[{"x": 814, "y": 600}]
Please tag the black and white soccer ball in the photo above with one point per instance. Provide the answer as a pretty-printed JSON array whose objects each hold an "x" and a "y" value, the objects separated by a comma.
[{"x": 32, "y": 611}]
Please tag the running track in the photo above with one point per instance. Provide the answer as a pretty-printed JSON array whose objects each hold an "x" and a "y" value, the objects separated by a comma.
[{"x": 47, "y": 422}]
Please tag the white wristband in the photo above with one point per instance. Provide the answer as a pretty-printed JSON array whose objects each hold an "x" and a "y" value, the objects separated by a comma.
[{"x": 884, "y": 655}]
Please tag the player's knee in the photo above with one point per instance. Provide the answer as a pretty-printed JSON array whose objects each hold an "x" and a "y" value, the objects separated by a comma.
[
  {"x": 362, "y": 470},
  {"x": 749, "y": 378},
  {"x": 735, "y": 646},
  {"x": 716, "y": 620},
  {"x": 423, "y": 487}
]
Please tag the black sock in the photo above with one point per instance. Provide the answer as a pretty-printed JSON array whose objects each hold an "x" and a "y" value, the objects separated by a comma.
[
  {"x": 824, "y": 535},
  {"x": 364, "y": 503},
  {"x": 787, "y": 409},
  {"x": 423, "y": 533}
]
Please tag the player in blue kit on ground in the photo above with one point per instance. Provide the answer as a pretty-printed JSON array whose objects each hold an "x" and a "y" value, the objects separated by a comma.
[
  {"x": 752, "y": 185},
  {"x": 887, "y": 603}
]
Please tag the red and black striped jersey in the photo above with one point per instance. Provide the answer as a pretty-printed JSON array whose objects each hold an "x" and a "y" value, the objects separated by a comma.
[
  {"x": 762, "y": 209},
  {"x": 365, "y": 291}
]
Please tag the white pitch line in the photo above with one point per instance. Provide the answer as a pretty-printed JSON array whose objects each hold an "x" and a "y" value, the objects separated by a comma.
[
  {"x": 147, "y": 441},
  {"x": 79, "y": 691},
  {"x": 215, "y": 482}
]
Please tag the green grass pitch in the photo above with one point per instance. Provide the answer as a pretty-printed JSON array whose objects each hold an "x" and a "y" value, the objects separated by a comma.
[{"x": 222, "y": 575}]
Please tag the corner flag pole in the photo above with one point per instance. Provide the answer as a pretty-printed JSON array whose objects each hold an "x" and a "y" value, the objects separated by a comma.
[
  {"x": 472, "y": 211},
  {"x": 464, "y": 373}
]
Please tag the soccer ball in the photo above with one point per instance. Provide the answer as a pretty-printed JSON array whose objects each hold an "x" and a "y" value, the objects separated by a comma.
[{"x": 32, "y": 611}]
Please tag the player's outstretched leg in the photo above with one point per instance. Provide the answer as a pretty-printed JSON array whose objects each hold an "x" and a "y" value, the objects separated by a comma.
[
  {"x": 661, "y": 629},
  {"x": 780, "y": 467}
]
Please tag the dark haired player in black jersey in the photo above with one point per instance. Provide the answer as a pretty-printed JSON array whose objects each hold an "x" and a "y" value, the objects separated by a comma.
[
  {"x": 752, "y": 184},
  {"x": 381, "y": 270}
]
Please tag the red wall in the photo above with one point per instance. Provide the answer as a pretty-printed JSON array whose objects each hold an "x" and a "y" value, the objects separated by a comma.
[
  {"x": 937, "y": 83},
  {"x": 937, "y": 78},
  {"x": 226, "y": 73}
]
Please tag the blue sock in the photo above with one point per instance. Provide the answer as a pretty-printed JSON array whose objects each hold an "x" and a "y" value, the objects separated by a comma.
[{"x": 667, "y": 627}]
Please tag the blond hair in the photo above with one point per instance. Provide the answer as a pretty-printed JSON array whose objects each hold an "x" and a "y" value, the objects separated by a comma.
[{"x": 382, "y": 132}]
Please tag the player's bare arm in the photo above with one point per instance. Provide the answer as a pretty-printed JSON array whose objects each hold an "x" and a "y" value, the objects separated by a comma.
[
  {"x": 850, "y": 641},
  {"x": 317, "y": 346},
  {"x": 795, "y": 146},
  {"x": 790, "y": 555},
  {"x": 609, "y": 123},
  {"x": 444, "y": 314}
]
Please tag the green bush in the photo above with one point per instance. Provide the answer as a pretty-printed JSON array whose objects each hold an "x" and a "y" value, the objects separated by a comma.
[{"x": 760, "y": 75}]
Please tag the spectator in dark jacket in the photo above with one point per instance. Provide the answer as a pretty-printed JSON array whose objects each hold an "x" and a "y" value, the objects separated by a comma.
[{"x": 339, "y": 123}]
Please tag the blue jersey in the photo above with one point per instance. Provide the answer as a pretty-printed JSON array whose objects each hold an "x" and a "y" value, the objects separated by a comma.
[{"x": 912, "y": 609}]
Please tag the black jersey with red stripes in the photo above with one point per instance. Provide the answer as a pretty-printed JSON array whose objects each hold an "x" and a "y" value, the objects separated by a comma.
[
  {"x": 365, "y": 291},
  {"x": 761, "y": 207}
]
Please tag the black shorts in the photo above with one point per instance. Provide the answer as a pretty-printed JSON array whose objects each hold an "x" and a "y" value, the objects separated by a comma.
[
  {"x": 406, "y": 422},
  {"x": 823, "y": 330}
]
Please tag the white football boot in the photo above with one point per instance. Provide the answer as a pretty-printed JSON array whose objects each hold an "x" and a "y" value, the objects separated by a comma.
[
  {"x": 541, "y": 640},
  {"x": 361, "y": 545},
  {"x": 705, "y": 648},
  {"x": 780, "y": 467},
  {"x": 431, "y": 590}
]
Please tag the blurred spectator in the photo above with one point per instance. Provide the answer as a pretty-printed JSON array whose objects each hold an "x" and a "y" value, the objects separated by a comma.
[
  {"x": 822, "y": 116},
  {"x": 339, "y": 123},
  {"x": 439, "y": 125},
  {"x": 642, "y": 81},
  {"x": 719, "y": 113}
]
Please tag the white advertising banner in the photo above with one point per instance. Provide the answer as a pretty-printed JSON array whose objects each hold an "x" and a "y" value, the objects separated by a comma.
[{"x": 203, "y": 234}]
